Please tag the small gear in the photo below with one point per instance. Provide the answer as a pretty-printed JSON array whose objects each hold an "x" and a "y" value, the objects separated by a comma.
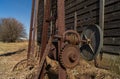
[
  {"x": 72, "y": 37},
  {"x": 69, "y": 56}
]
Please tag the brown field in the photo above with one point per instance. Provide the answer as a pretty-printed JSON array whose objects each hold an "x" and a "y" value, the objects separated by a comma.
[{"x": 9, "y": 57}]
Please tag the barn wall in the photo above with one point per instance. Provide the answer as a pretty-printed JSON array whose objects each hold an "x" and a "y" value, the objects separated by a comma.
[{"x": 88, "y": 13}]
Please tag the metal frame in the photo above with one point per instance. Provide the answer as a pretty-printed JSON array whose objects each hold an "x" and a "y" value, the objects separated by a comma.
[
  {"x": 46, "y": 43},
  {"x": 31, "y": 29},
  {"x": 61, "y": 30}
]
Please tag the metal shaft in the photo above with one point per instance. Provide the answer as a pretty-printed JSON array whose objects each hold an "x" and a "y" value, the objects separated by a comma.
[
  {"x": 44, "y": 34},
  {"x": 45, "y": 25},
  {"x": 61, "y": 30},
  {"x": 31, "y": 29}
]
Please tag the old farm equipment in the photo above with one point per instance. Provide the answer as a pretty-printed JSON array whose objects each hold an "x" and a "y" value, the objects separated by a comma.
[
  {"x": 55, "y": 25},
  {"x": 61, "y": 44}
]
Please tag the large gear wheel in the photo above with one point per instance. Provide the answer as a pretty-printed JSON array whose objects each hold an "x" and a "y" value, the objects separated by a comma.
[{"x": 69, "y": 56}]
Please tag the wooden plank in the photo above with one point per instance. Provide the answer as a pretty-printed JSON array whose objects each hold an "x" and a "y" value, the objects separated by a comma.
[
  {"x": 87, "y": 3},
  {"x": 109, "y": 2},
  {"x": 81, "y": 6},
  {"x": 85, "y": 17},
  {"x": 88, "y": 15},
  {"x": 67, "y": 16},
  {"x": 112, "y": 8},
  {"x": 68, "y": 2},
  {"x": 108, "y": 18},
  {"x": 112, "y": 25},
  {"x": 112, "y": 16},
  {"x": 77, "y": 6},
  {"x": 112, "y": 41},
  {"x": 73, "y": 4},
  {"x": 69, "y": 20},
  {"x": 70, "y": 28},
  {"x": 87, "y": 9},
  {"x": 112, "y": 33},
  {"x": 108, "y": 9},
  {"x": 111, "y": 49},
  {"x": 70, "y": 24},
  {"x": 88, "y": 21}
]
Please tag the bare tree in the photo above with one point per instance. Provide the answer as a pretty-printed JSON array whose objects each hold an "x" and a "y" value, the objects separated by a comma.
[{"x": 11, "y": 30}]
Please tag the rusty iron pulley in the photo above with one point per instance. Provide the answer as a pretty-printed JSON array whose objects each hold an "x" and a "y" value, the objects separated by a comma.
[
  {"x": 69, "y": 56},
  {"x": 92, "y": 37},
  {"x": 72, "y": 37}
]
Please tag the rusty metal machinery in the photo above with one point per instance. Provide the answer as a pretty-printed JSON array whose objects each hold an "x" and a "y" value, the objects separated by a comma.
[
  {"x": 93, "y": 42},
  {"x": 20, "y": 65},
  {"x": 69, "y": 56},
  {"x": 63, "y": 46},
  {"x": 68, "y": 44}
]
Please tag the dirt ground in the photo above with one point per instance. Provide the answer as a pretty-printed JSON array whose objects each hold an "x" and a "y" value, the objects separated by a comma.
[{"x": 12, "y": 53}]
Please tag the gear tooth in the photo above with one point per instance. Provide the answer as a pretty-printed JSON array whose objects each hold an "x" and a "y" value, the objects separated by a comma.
[{"x": 60, "y": 57}]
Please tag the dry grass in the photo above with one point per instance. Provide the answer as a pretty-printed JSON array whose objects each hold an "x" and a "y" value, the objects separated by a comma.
[
  {"x": 87, "y": 70},
  {"x": 82, "y": 71},
  {"x": 111, "y": 61},
  {"x": 8, "y": 62},
  {"x": 10, "y": 47}
]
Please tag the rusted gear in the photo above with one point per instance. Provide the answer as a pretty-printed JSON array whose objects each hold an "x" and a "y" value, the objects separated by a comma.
[
  {"x": 72, "y": 37},
  {"x": 69, "y": 56},
  {"x": 20, "y": 65}
]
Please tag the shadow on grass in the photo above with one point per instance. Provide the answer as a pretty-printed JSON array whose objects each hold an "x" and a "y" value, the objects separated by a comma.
[{"x": 12, "y": 53}]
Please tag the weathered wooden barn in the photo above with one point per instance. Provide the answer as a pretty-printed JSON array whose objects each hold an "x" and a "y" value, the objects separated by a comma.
[{"x": 80, "y": 13}]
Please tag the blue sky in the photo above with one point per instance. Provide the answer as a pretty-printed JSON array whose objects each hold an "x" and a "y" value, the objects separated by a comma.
[{"x": 18, "y": 9}]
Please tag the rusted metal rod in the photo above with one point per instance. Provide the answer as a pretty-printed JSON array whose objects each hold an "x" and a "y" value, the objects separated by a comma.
[
  {"x": 35, "y": 26},
  {"x": 40, "y": 74},
  {"x": 61, "y": 30},
  {"x": 45, "y": 25},
  {"x": 44, "y": 35},
  {"x": 31, "y": 29}
]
